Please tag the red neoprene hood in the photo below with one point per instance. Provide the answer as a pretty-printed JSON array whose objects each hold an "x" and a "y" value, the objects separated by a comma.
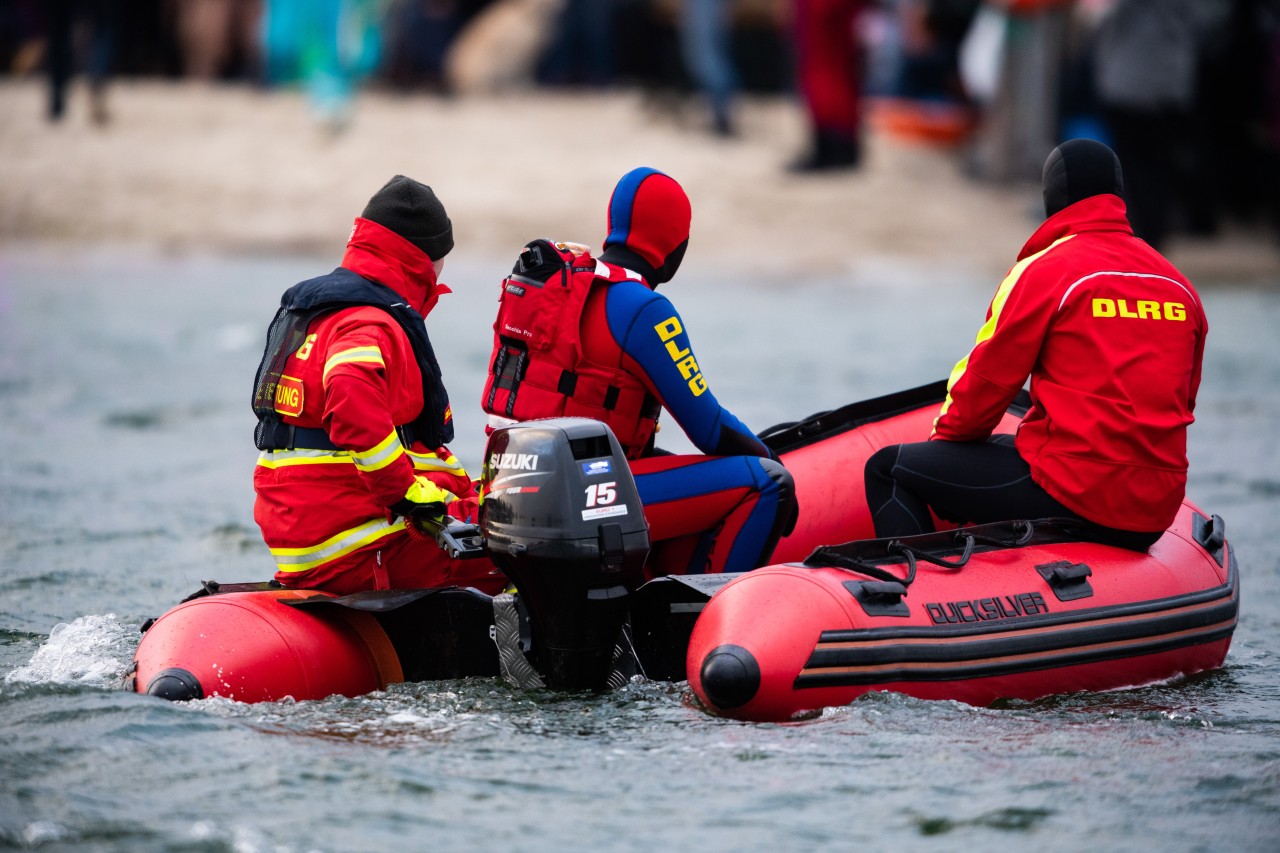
[{"x": 649, "y": 214}]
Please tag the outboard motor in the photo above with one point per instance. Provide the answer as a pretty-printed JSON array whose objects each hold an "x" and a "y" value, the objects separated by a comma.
[{"x": 562, "y": 518}]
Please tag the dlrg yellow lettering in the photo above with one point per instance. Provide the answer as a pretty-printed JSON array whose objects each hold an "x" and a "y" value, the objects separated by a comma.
[
  {"x": 668, "y": 329},
  {"x": 1147, "y": 309},
  {"x": 682, "y": 357}
]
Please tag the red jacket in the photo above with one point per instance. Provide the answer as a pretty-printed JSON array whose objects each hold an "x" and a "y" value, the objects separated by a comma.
[
  {"x": 322, "y": 512},
  {"x": 1112, "y": 337}
]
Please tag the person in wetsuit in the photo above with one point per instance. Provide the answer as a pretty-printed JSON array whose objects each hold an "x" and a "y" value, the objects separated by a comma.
[{"x": 631, "y": 358}]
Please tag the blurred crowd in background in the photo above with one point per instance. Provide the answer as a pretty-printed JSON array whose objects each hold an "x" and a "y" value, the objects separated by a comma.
[{"x": 1186, "y": 91}]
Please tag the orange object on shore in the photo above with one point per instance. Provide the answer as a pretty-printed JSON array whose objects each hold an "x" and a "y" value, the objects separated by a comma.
[{"x": 933, "y": 122}]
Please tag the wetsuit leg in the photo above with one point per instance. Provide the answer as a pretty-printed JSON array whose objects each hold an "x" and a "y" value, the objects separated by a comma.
[
  {"x": 966, "y": 482},
  {"x": 737, "y": 507},
  {"x": 977, "y": 482}
]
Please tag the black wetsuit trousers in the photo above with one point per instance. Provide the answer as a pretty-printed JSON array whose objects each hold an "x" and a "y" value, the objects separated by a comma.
[{"x": 974, "y": 482}]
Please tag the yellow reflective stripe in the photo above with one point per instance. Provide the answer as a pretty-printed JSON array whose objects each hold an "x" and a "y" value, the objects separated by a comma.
[
  {"x": 988, "y": 330},
  {"x": 433, "y": 462},
  {"x": 284, "y": 458},
  {"x": 357, "y": 355},
  {"x": 380, "y": 455},
  {"x": 302, "y": 559}
]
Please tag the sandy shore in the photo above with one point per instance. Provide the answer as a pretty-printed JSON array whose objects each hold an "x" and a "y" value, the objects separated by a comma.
[{"x": 184, "y": 166}]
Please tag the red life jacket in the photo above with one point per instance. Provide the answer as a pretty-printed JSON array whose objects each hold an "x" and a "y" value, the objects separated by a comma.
[{"x": 538, "y": 369}]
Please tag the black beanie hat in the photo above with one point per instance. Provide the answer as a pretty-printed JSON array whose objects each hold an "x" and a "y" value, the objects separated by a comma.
[
  {"x": 412, "y": 210},
  {"x": 1078, "y": 169}
]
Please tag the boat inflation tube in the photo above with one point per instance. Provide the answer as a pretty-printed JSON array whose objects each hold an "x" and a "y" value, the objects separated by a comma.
[{"x": 561, "y": 517}]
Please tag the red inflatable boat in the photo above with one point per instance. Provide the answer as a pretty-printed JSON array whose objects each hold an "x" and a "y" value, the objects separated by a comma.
[
  {"x": 826, "y": 453},
  {"x": 582, "y": 587},
  {"x": 258, "y": 642},
  {"x": 1019, "y": 610}
]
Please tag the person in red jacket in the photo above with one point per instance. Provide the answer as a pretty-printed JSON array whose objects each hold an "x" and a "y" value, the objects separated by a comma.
[
  {"x": 354, "y": 420},
  {"x": 1111, "y": 336}
]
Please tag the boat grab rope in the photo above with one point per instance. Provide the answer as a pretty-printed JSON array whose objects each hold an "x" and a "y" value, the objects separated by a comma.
[
  {"x": 823, "y": 559},
  {"x": 912, "y": 554},
  {"x": 1028, "y": 530},
  {"x": 831, "y": 558}
]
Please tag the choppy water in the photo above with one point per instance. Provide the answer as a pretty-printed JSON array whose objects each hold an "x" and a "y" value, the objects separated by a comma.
[{"x": 125, "y": 465}]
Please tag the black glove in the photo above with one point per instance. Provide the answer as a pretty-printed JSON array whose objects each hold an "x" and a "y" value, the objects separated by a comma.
[{"x": 431, "y": 513}]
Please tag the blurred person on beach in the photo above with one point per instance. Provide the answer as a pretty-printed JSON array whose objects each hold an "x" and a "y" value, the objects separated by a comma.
[
  {"x": 829, "y": 56},
  {"x": 69, "y": 21},
  {"x": 1149, "y": 64},
  {"x": 418, "y": 36},
  {"x": 617, "y": 351},
  {"x": 331, "y": 46},
  {"x": 932, "y": 32},
  {"x": 1013, "y": 59},
  {"x": 220, "y": 38},
  {"x": 1111, "y": 336},
  {"x": 22, "y": 36},
  {"x": 707, "y": 49},
  {"x": 354, "y": 418},
  {"x": 582, "y": 43}
]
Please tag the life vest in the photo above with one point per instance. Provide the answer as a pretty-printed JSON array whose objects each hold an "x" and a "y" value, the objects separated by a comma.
[
  {"x": 538, "y": 370},
  {"x": 299, "y": 307}
]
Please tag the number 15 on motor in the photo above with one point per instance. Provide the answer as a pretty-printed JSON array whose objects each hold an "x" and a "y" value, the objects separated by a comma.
[{"x": 602, "y": 494}]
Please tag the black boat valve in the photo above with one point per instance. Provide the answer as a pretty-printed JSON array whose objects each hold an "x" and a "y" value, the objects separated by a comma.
[{"x": 561, "y": 517}]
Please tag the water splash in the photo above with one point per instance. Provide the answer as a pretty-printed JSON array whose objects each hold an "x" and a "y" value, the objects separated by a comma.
[
  {"x": 43, "y": 832},
  {"x": 91, "y": 651}
]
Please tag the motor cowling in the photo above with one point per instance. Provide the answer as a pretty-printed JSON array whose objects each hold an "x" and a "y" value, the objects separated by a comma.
[{"x": 562, "y": 518}]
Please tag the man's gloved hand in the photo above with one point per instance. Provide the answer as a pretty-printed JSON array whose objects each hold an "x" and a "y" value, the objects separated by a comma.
[{"x": 423, "y": 503}]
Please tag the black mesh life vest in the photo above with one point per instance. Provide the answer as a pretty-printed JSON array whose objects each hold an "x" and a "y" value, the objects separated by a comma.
[{"x": 300, "y": 306}]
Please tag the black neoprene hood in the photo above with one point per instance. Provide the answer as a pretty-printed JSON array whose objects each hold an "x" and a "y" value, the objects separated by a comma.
[{"x": 1078, "y": 169}]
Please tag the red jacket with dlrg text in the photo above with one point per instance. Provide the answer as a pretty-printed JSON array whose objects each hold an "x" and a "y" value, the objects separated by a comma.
[{"x": 1112, "y": 337}]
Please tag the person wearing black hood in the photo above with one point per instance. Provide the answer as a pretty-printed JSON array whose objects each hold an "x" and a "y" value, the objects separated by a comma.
[
  {"x": 1111, "y": 336},
  {"x": 620, "y": 354}
]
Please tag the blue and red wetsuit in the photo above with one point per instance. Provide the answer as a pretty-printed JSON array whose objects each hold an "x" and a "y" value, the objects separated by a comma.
[
  {"x": 725, "y": 508},
  {"x": 622, "y": 357}
]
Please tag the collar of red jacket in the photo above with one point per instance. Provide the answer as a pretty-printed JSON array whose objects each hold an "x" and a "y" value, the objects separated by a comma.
[
  {"x": 380, "y": 254},
  {"x": 1095, "y": 213}
]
